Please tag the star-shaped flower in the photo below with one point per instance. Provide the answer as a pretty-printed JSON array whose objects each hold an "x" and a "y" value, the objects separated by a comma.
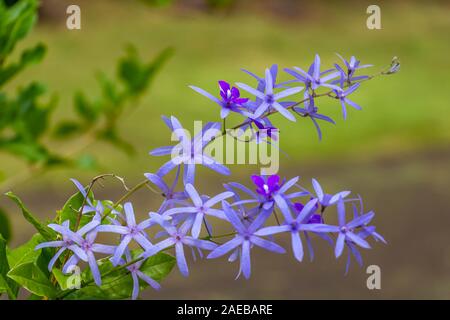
[
  {"x": 342, "y": 96},
  {"x": 85, "y": 247},
  {"x": 131, "y": 231},
  {"x": 177, "y": 238},
  {"x": 294, "y": 227},
  {"x": 311, "y": 111},
  {"x": 315, "y": 78},
  {"x": 269, "y": 99},
  {"x": 200, "y": 209},
  {"x": 245, "y": 238},
  {"x": 137, "y": 274},
  {"x": 326, "y": 199},
  {"x": 347, "y": 231},
  {"x": 69, "y": 241},
  {"x": 171, "y": 197},
  {"x": 189, "y": 152},
  {"x": 230, "y": 99},
  {"x": 352, "y": 65}
]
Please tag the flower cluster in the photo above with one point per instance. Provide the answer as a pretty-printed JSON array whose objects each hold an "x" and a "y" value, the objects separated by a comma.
[{"x": 271, "y": 206}]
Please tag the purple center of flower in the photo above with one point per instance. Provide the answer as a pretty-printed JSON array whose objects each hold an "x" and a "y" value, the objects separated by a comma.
[
  {"x": 344, "y": 229},
  {"x": 133, "y": 230},
  {"x": 270, "y": 98},
  {"x": 294, "y": 226},
  {"x": 266, "y": 187},
  {"x": 86, "y": 245},
  {"x": 68, "y": 242},
  {"x": 133, "y": 268}
]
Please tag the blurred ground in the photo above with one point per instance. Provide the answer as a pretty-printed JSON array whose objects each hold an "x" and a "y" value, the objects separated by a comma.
[{"x": 395, "y": 152}]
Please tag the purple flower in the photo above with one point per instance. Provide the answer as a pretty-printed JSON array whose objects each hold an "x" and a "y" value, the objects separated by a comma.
[
  {"x": 200, "y": 209},
  {"x": 177, "y": 238},
  {"x": 137, "y": 274},
  {"x": 314, "y": 217},
  {"x": 245, "y": 238},
  {"x": 310, "y": 111},
  {"x": 314, "y": 78},
  {"x": 85, "y": 246},
  {"x": 189, "y": 152},
  {"x": 271, "y": 191},
  {"x": 307, "y": 81},
  {"x": 265, "y": 131},
  {"x": 326, "y": 199},
  {"x": 171, "y": 197},
  {"x": 294, "y": 226},
  {"x": 348, "y": 75},
  {"x": 342, "y": 96},
  {"x": 231, "y": 100},
  {"x": 347, "y": 230},
  {"x": 269, "y": 99},
  {"x": 131, "y": 231},
  {"x": 366, "y": 230},
  {"x": 69, "y": 242}
]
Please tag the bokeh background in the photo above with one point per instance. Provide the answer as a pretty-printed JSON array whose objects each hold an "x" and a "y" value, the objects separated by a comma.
[{"x": 395, "y": 152}]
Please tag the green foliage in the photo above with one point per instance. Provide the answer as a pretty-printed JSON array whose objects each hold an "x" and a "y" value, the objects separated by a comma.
[
  {"x": 24, "y": 132},
  {"x": 28, "y": 268},
  {"x": 101, "y": 115},
  {"x": 32, "y": 278},
  {"x": 29, "y": 56},
  {"x": 5, "y": 226},
  {"x": 24, "y": 119},
  {"x": 6, "y": 284},
  {"x": 25, "y": 253},
  {"x": 117, "y": 283},
  {"x": 136, "y": 75},
  {"x": 71, "y": 209},
  {"x": 19, "y": 264},
  {"x": 45, "y": 231},
  {"x": 15, "y": 23}
]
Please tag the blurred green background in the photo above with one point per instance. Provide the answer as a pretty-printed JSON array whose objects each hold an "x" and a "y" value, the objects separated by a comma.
[{"x": 395, "y": 152}]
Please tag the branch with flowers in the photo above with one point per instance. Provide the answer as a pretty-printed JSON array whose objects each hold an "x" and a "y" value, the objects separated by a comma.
[{"x": 48, "y": 266}]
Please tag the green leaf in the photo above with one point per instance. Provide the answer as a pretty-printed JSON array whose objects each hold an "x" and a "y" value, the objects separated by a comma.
[
  {"x": 85, "y": 109},
  {"x": 5, "y": 226},
  {"x": 28, "y": 267},
  {"x": 29, "y": 56},
  {"x": 67, "y": 129},
  {"x": 45, "y": 231},
  {"x": 71, "y": 209},
  {"x": 31, "y": 151},
  {"x": 31, "y": 277},
  {"x": 61, "y": 278},
  {"x": 25, "y": 253},
  {"x": 6, "y": 284},
  {"x": 15, "y": 24},
  {"x": 136, "y": 75},
  {"x": 112, "y": 99},
  {"x": 158, "y": 266}
]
